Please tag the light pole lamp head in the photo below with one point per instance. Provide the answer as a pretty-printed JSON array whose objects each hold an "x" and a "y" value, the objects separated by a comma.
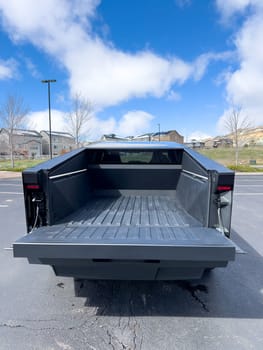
[{"x": 48, "y": 81}]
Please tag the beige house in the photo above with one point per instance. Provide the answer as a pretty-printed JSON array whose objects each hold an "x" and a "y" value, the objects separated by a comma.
[
  {"x": 26, "y": 143},
  {"x": 62, "y": 142},
  {"x": 171, "y": 135}
]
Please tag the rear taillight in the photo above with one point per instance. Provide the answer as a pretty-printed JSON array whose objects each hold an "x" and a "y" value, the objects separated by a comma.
[
  {"x": 224, "y": 188},
  {"x": 32, "y": 187}
]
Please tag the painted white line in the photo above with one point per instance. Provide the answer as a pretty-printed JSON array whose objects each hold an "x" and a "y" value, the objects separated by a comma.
[
  {"x": 248, "y": 185},
  {"x": 254, "y": 180},
  {"x": 12, "y": 193},
  {"x": 247, "y": 194},
  {"x": 7, "y": 184}
]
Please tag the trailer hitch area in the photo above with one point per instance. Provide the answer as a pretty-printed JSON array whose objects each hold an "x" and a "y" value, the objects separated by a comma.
[
  {"x": 221, "y": 201},
  {"x": 37, "y": 200}
]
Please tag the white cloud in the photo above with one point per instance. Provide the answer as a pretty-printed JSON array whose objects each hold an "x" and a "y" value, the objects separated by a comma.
[
  {"x": 231, "y": 7},
  {"x": 97, "y": 69},
  {"x": 173, "y": 96},
  {"x": 244, "y": 86},
  {"x": 7, "y": 69},
  {"x": 131, "y": 123},
  {"x": 201, "y": 63},
  {"x": 245, "y": 115},
  {"x": 183, "y": 3},
  {"x": 32, "y": 68},
  {"x": 198, "y": 135},
  {"x": 40, "y": 120},
  {"x": 134, "y": 123}
]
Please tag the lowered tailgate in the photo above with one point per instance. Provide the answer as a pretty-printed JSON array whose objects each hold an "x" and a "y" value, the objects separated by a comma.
[{"x": 109, "y": 252}]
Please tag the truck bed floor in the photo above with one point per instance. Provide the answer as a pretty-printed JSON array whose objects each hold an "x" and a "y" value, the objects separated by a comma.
[{"x": 142, "y": 211}]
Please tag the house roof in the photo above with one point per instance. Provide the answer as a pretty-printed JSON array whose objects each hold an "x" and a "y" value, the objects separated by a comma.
[
  {"x": 158, "y": 133},
  {"x": 23, "y": 132},
  {"x": 165, "y": 132},
  {"x": 57, "y": 133}
]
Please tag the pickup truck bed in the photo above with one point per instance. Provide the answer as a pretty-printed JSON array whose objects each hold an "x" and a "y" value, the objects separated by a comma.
[
  {"x": 152, "y": 231},
  {"x": 128, "y": 211}
]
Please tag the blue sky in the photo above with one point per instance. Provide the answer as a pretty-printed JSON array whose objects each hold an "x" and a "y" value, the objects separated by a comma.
[{"x": 182, "y": 64}]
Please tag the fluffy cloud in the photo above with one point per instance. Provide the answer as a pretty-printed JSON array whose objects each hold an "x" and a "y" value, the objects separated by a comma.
[
  {"x": 244, "y": 86},
  {"x": 134, "y": 123},
  {"x": 173, "y": 96},
  {"x": 183, "y": 3},
  {"x": 131, "y": 123},
  {"x": 231, "y": 7},
  {"x": 7, "y": 69},
  {"x": 98, "y": 69},
  {"x": 197, "y": 135},
  {"x": 40, "y": 120}
]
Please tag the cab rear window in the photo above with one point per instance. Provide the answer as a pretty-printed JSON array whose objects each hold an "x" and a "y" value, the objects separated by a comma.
[{"x": 136, "y": 157}]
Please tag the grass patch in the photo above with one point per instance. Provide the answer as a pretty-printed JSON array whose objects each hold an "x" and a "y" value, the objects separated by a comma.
[
  {"x": 20, "y": 164},
  {"x": 226, "y": 156},
  {"x": 245, "y": 168}
]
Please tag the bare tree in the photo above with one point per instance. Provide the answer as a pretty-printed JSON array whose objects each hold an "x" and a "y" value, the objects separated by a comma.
[
  {"x": 12, "y": 114},
  {"x": 237, "y": 123},
  {"x": 79, "y": 116}
]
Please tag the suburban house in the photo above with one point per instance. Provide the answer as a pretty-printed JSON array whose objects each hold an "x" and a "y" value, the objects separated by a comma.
[
  {"x": 171, "y": 135},
  {"x": 223, "y": 142},
  {"x": 113, "y": 137},
  {"x": 195, "y": 144},
  {"x": 62, "y": 142},
  {"x": 26, "y": 143}
]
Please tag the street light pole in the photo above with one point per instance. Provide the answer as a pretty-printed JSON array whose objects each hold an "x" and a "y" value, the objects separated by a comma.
[{"x": 48, "y": 81}]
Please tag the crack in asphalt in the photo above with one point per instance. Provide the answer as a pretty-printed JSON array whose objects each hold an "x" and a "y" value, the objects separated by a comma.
[
  {"x": 125, "y": 335},
  {"x": 193, "y": 290},
  {"x": 19, "y": 324}
]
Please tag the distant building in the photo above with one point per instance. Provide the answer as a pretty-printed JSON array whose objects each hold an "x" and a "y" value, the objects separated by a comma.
[
  {"x": 113, "y": 137},
  {"x": 171, "y": 135},
  {"x": 144, "y": 137},
  {"x": 222, "y": 142},
  {"x": 26, "y": 143},
  {"x": 62, "y": 142},
  {"x": 195, "y": 144}
]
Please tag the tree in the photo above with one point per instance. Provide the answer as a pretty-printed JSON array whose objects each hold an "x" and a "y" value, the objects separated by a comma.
[
  {"x": 12, "y": 113},
  {"x": 79, "y": 116},
  {"x": 237, "y": 123}
]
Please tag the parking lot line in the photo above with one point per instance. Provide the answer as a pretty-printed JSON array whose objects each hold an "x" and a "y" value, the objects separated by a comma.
[
  {"x": 19, "y": 193},
  {"x": 247, "y": 194}
]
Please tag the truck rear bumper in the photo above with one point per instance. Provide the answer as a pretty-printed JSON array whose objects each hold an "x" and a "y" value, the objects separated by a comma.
[{"x": 144, "y": 254}]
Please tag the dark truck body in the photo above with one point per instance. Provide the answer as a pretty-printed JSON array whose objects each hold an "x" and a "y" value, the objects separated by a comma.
[{"x": 155, "y": 211}]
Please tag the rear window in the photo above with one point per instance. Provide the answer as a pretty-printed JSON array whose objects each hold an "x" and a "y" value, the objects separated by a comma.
[{"x": 136, "y": 157}]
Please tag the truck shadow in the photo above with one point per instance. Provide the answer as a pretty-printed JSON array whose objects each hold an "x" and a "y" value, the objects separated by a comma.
[{"x": 233, "y": 292}]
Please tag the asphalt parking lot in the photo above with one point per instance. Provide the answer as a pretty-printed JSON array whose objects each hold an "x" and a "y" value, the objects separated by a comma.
[{"x": 224, "y": 310}]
